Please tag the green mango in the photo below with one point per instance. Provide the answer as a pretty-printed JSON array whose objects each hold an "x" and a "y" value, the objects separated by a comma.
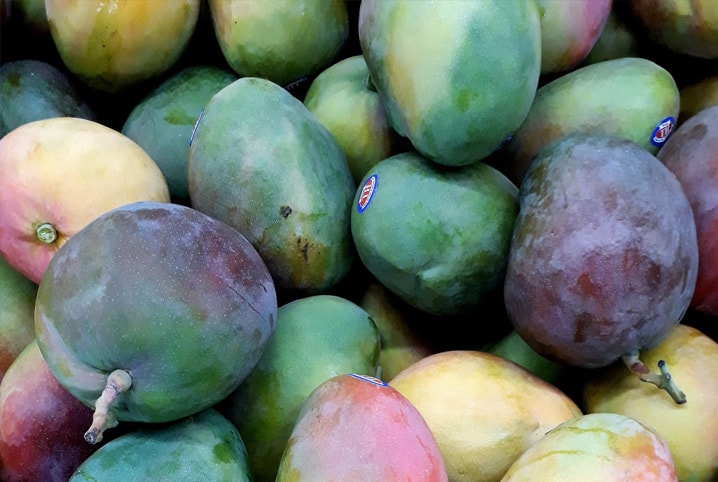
[
  {"x": 437, "y": 237},
  {"x": 631, "y": 97},
  {"x": 204, "y": 446},
  {"x": 262, "y": 163},
  {"x": 456, "y": 78},
  {"x": 153, "y": 312},
  {"x": 32, "y": 90},
  {"x": 162, "y": 122},
  {"x": 316, "y": 338}
]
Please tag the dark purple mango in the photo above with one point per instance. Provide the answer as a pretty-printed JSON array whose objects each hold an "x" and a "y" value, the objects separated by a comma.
[
  {"x": 604, "y": 255},
  {"x": 176, "y": 305}
]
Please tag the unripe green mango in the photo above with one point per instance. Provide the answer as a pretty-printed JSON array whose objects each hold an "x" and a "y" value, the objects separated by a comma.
[
  {"x": 262, "y": 163},
  {"x": 456, "y": 78},
  {"x": 204, "y": 446},
  {"x": 633, "y": 98},
  {"x": 317, "y": 337}
]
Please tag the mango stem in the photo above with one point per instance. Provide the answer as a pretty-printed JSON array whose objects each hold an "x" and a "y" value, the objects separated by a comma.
[
  {"x": 662, "y": 380},
  {"x": 117, "y": 382}
]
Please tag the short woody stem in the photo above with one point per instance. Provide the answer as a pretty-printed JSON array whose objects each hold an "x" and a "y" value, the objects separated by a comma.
[
  {"x": 662, "y": 380},
  {"x": 117, "y": 382}
]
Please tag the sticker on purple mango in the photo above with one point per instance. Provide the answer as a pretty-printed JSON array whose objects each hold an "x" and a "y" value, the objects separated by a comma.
[
  {"x": 367, "y": 193},
  {"x": 370, "y": 379},
  {"x": 662, "y": 131}
]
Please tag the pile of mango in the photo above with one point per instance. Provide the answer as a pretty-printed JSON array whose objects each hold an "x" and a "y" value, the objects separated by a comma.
[{"x": 318, "y": 240}]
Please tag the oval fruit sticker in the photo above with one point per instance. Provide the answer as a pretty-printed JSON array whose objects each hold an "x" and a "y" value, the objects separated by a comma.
[
  {"x": 370, "y": 379},
  {"x": 662, "y": 131},
  {"x": 367, "y": 193}
]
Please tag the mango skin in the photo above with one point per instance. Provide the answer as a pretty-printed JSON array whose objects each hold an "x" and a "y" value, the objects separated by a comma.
[
  {"x": 628, "y": 97},
  {"x": 698, "y": 96},
  {"x": 353, "y": 428},
  {"x": 436, "y": 237},
  {"x": 600, "y": 447},
  {"x": 205, "y": 443},
  {"x": 604, "y": 254},
  {"x": 689, "y": 430},
  {"x": 17, "y": 327},
  {"x": 456, "y": 78},
  {"x": 316, "y": 338},
  {"x": 115, "y": 46},
  {"x": 179, "y": 300},
  {"x": 687, "y": 27},
  {"x": 569, "y": 31},
  {"x": 281, "y": 40},
  {"x": 691, "y": 154},
  {"x": 263, "y": 164}
]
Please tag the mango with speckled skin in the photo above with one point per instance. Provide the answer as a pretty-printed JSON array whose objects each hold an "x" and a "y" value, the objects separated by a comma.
[
  {"x": 456, "y": 78},
  {"x": 630, "y": 97},
  {"x": 604, "y": 253}
]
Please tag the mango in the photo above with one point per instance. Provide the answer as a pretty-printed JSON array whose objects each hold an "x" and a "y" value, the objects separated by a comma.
[
  {"x": 691, "y": 430},
  {"x": 483, "y": 410},
  {"x": 167, "y": 312},
  {"x": 262, "y": 163},
  {"x": 600, "y": 447},
  {"x": 697, "y": 96},
  {"x": 630, "y": 97},
  {"x": 456, "y": 78},
  {"x": 604, "y": 254},
  {"x": 17, "y": 328},
  {"x": 117, "y": 46},
  {"x": 435, "y": 236},
  {"x": 316, "y": 337},
  {"x": 357, "y": 427},
  {"x": 683, "y": 26},
  {"x": 202, "y": 446},
  {"x": 282, "y": 40}
]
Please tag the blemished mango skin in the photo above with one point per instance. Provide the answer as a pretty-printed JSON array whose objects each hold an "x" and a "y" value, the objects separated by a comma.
[
  {"x": 356, "y": 427},
  {"x": 114, "y": 46},
  {"x": 604, "y": 255},
  {"x": 600, "y": 447}
]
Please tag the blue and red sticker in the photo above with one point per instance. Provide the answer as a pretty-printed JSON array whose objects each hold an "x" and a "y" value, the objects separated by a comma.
[
  {"x": 367, "y": 378},
  {"x": 367, "y": 193},
  {"x": 662, "y": 131}
]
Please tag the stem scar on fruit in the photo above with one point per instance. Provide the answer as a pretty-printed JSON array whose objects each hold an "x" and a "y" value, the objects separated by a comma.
[
  {"x": 46, "y": 233},
  {"x": 662, "y": 380},
  {"x": 118, "y": 381}
]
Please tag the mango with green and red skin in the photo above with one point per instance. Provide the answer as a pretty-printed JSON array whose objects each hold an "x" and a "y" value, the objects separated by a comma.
[
  {"x": 627, "y": 97},
  {"x": 204, "y": 445},
  {"x": 17, "y": 327},
  {"x": 437, "y": 237},
  {"x": 180, "y": 301},
  {"x": 687, "y": 27},
  {"x": 691, "y": 154},
  {"x": 41, "y": 423},
  {"x": 604, "y": 253},
  {"x": 354, "y": 427},
  {"x": 262, "y": 163},
  {"x": 117, "y": 46},
  {"x": 317, "y": 337},
  {"x": 456, "y": 78},
  {"x": 569, "y": 31},
  {"x": 596, "y": 447}
]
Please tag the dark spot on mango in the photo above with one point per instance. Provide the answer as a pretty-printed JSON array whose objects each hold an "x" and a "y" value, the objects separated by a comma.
[{"x": 285, "y": 211}]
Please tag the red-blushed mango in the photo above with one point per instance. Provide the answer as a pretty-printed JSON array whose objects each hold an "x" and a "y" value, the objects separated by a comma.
[
  {"x": 690, "y": 430},
  {"x": 604, "y": 255},
  {"x": 57, "y": 175},
  {"x": 483, "y": 410},
  {"x": 684, "y": 26},
  {"x": 357, "y": 427},
  {"x": 692, "y": 155},
  {"x": 153, "y": 312},
  {"x": 280, "y": 40},
  {"x": 116, "y": 46},
  {"x": 600, "y": 447},
  {"x": 569, "y": 31},
  {"x": 633, "y": 98},
  {"x": 456, "y": 78}
]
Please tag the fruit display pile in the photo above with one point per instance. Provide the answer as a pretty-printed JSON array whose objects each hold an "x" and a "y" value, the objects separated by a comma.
[{"x": 358, "y": 240}]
